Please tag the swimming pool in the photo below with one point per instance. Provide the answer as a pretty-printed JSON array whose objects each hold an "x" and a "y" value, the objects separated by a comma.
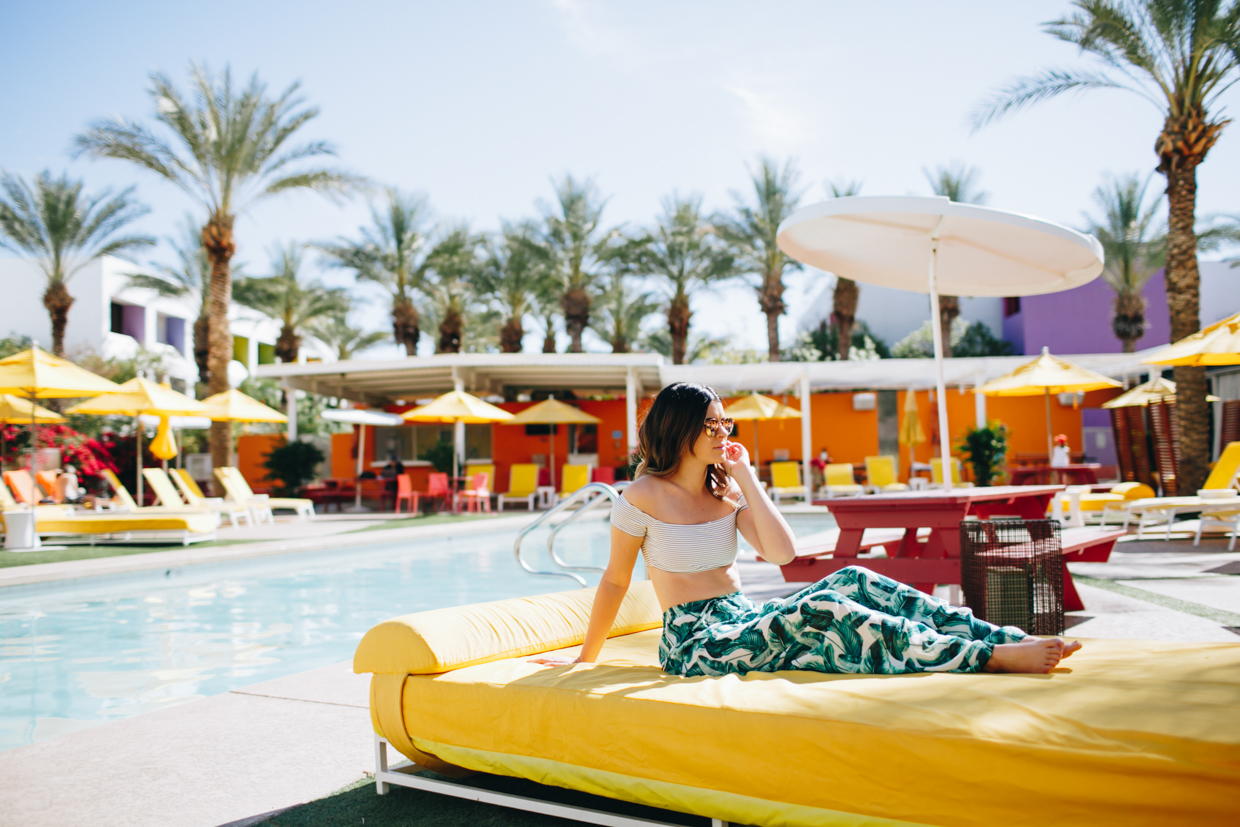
[{"x": 93, "y": 650}]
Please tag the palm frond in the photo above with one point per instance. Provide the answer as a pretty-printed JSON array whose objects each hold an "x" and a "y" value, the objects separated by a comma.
[{"x": 1049, "y": 84}]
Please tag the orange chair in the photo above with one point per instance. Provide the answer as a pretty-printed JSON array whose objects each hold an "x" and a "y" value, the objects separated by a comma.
[
  {"x": 478, "y": 494},
  {"x": 23, "y": 486},
  {"x": 406, "y": 494},
  {"x": 437, "y": 488},
  {"x": 47, "y": 481}
]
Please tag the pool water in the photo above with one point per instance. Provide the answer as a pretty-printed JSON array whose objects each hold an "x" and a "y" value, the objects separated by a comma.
[{"x": 98, "y": 649}]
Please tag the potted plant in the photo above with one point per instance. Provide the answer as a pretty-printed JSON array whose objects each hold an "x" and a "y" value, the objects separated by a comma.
[{"x": 984, "y": 449}]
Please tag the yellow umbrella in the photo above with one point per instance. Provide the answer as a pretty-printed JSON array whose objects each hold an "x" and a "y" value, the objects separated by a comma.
[
  {"x": 911, "y": 432},
  {"x": 552, "y": 412},
  {"x": 454, "y": 407},
  {"x": 144, "y": 396},
  {"x": 17, "y": 411},
  {"x": 1045, "y": 375},
  {"x": 1218, "y": 344},
  {"x": 1155, "y": 390},
  {"x": 234, "y": 406},
  {"x": 755, "y": 407}
]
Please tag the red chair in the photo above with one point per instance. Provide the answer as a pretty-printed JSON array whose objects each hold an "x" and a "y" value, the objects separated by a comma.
[
  {"x": 544, "y": 476},
  {"x": 604, "y": 473},
  {"x": 406, "y": 494},
  {"x": 437, "y": 488},
  {"x": 477, "y": 494}
]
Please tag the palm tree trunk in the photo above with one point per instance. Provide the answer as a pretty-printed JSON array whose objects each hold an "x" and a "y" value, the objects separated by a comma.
[
  {"x": 450, "y": 331},
  {"x": 576, "y": 305},
  {"x": 844, "y": 313},
  {"x": 949, "y": 309},
  {"x": 405, "y": 324},
  {"x": 288, "y": 345},
  {"x": 678, "y": 315},
  {"x": 218, "y": 242},
  {"x": 1129, "y": 320},
  {"x": 549, "y": 338},
  {"x": 1183, "y": 302},
  {"x": 202, "y": 345},
  {"x": 58, "y": 301},
  {"x": 511, "y": 335},
  {"x": 771, "y": 300}
]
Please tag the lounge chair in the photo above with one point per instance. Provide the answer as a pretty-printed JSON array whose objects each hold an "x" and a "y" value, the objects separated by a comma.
[
  {"x": 786, "y": 481},
  {"x": 66, "y": 523},
  {"x": 238, "y": 490},
  {"x": 1133, "y": 732},
  {"x": 128, "y": 505},
  {"x": 572, "y": 479},
  {"x": 168, "y": 497},
  {"x": 522, "y": 485},
  {"x": 1157, "y": 512},
  {"x": 1081, "y": 504},
  {"x": 47, "y": 481},
  {"x": 477, "y": 495},
  {"x": 880, "y": 474},
  {"x": 838, "y": 481},
  {"x": 23, "y": 486},
  {"x": 9, "y": 503},
  {"x": 936, "y": 474}
]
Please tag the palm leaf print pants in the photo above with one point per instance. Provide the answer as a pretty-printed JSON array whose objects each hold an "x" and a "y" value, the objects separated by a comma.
[{"x": 852, "y": 621}]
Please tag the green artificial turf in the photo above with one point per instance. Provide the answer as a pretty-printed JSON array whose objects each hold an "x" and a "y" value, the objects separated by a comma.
[
  {"x": 87, "y": 552},
  {"x": 423, "y": 519},
  {"x": 1187, "y": 606},
  {"x": 358, "y": 805}
]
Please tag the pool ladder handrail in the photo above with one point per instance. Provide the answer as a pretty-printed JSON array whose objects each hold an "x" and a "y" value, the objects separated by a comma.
[{"x": 593, "y": 494}]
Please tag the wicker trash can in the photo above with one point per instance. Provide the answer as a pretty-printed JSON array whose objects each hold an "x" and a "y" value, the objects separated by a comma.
[{"x": 1012, "y": 573}]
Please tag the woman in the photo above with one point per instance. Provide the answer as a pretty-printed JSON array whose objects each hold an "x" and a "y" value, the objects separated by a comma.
[{"x": 693, "y": 490}]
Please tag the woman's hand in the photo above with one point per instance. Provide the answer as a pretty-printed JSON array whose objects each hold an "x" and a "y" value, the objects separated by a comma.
[
  {"x": 735, "y": 458},
  {"x": 554, "y": 660}
]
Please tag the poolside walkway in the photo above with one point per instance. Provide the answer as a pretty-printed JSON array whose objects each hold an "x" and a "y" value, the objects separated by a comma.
[{"x": 237, "y": 757}]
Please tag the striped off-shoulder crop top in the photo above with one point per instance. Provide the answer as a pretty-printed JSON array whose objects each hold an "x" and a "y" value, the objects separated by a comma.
[{"x": 680, "y": 548}]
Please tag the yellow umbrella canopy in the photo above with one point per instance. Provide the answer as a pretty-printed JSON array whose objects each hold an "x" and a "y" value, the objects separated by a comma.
[
  {"x": 755, "y": 407},
  {"x": 552, "y": 412},
  {"x": 234, "y": 406},
  {"x": 911, "y": 432},
  {"x": 18, "y": 411},
  {"x": 1155, "y": 390},
  {"x": 1218, "y": 344},
  {"x": 37, "y": 373},
  {"x": 141, "y": 396},
  {"x": 457, "y": 406}
]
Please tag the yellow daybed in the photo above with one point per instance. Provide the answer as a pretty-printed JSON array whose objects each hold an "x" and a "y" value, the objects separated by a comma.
[{"x": 1129, "y": 732}]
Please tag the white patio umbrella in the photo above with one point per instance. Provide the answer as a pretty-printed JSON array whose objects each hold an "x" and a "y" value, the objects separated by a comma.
[
  {"x": 938, "y": 246},
  {"x": 362, "y": 418}
]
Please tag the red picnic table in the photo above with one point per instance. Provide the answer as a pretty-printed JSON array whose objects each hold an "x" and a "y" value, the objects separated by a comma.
[
  {"x": 920, "y": 532},
  {"x": 1078, "y": 473}
]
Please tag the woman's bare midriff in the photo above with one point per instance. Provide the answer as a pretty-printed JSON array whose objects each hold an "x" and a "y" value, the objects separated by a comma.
[{"x": 674, "y": 588}]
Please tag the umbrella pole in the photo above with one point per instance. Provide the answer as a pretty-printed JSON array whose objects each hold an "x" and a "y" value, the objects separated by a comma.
[
  {"x": 936, "y": 327},
  {"x": 1050, "y": 451},
  {"x": 139, "y": 438},
  {"x": 554, "y": 490},
  {"x": 455, "y": 470}
]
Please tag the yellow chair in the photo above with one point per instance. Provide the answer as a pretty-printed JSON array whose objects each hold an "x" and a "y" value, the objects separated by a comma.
[
  {"x": 936, "y": 474},
  {"x": 239, "y": 490},
  {"x": 572, "y": 478},
  {"x": 1082, "y": 504},
  {"x": 128, "y": 504},
  {"x": 786, "y": 481},
  {"x": 522, "y": 485},
  {"x": 838, "y": 481},
  {"x": 880, "y": 475},
  {"x": 168, "y": 496},
  {"x": 472, "y": 469},
  {"x": 1154, "y": 512}
]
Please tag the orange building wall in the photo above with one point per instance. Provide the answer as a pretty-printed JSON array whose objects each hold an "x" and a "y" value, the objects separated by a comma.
[{"x": 252, "y": 451}]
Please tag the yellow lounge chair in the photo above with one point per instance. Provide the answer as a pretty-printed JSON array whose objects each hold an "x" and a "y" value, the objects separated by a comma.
[
  {"x": 936, "y": 474},
  {"x": 239, "y": 491},
  {"x": 167, "y": 495},
  {"x": 838, "y": 481},
  {"x": 572, "y": 478},
  {"x": 129, "y": 506},
  {"x": 1082, "y": 504},
  {"x": 1134, "y": 732},
  {"x": 1155, "y": 512},
  {"x": 880, "y": 474},
  {"x": 9, "y": 503},
  {"x": 786, "y": 481},
  {"x": 522, "y": 485},
  {"x": 114, "y": 527}
]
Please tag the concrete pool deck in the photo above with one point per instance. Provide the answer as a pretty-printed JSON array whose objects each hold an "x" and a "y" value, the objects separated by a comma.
[{"x": 241, "y": 755}]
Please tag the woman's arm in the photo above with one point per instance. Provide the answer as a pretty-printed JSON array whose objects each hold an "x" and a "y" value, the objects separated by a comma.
[
  {"x": 607, "y": 598},
  {"x": 761, "y": 524}
]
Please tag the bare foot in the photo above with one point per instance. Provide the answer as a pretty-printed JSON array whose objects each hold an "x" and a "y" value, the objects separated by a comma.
[{"x": 1031, "y": 655}]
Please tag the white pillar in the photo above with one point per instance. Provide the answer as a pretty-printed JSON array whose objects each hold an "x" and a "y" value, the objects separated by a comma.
[
  {"x": 979, "y": 407},
  {"x": 632, "y": 390},
  {"x": 290, "y": 394},
  {"x": 458, "y": 435},
  {"x": 807, "y": 438}
]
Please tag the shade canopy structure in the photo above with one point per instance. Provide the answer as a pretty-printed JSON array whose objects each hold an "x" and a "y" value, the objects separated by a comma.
[
  {"x": 938, "y": 246},
  {"x": 552, "y": 412},
  {"x": 1218, "y": 344},
  {"x": 35, "y": 373},
  {"x": 234, "y": 406},
  {"x": 1155, "y": 390},
  {"x": 1044, "y": 376},
  {"x": 458, "y": 408},
  {"x": 757, "y": 407},
  {"x": 361, "y": 417}
]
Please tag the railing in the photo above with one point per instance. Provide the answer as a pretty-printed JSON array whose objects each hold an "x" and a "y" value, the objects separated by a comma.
[{"x": 591, "y": 495}]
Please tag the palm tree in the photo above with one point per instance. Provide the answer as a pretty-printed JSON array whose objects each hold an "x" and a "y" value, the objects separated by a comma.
[
  {"x": 847, "y": 293},
  {"x": 345, "y": 340},
  {"x": 511, "y": 279},
  {"x": 699, "y": 348},
  {"x": 227, "y": 150},
  {"x": 284, "y": 297},
  {"x": 452, "y": 265},
  {"x": 391, "y": 254},
  {"x": 620, "y": 312},
  {"x": 1181, "y": 57},
  {"x": 751, "y": 232},
  {"x": 959, "y": 183},
  {"x": 189, "y": 279},
  {"x": 574, "y": 248},
  {"x": 62, "y": 230},
  {"x": 1133, "y": 252},
  {"x": 683, "y": 251}
]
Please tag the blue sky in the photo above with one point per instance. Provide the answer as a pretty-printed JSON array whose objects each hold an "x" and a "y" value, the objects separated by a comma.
[{"x": 479, "y": 104}]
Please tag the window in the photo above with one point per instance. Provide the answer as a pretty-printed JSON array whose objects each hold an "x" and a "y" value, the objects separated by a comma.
[
  {"x": 1011, "y": 306},
  {"x": 541, "y": 430},
  {"x": 170, "y": 330},
  {"x": 241, "y": 350},
  {"x": 583, "y": 439},
  {"x": 477, "y": 442},
  {"x": 118, "y": 318},
  {"x": 266, "y": 354}
]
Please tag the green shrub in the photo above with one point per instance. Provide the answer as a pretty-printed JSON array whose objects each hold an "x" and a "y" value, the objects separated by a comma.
[
  {"x": 985, "y": 449},
  {"x": 440, "y": 456},
  {"x": 292, "y": 466}
]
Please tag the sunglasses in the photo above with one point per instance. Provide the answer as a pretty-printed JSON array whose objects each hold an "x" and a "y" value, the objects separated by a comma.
[{"x": 716, "y": 427}]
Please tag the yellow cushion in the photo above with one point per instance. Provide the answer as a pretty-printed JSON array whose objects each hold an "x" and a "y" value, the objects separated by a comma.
[
  {"x": 1133, "y": 490},
  {"x": 437, "y": 641},
  {"x": 785, "y": 475},
  {"x": 1224, "y": 470},
  {"x": 1128, "y": 732},
  {"x": 106, "y": 523}
]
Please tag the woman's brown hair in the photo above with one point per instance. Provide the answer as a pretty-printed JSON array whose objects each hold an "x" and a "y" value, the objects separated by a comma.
[{"x": 670, "y": 428}]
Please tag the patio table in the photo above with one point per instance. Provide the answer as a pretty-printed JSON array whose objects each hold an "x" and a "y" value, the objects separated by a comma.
[{"x": 1078, "y": 473}]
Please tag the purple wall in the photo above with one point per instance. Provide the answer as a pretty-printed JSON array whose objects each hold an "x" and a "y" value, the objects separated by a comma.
[{"x": 1079, "y": 320}]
